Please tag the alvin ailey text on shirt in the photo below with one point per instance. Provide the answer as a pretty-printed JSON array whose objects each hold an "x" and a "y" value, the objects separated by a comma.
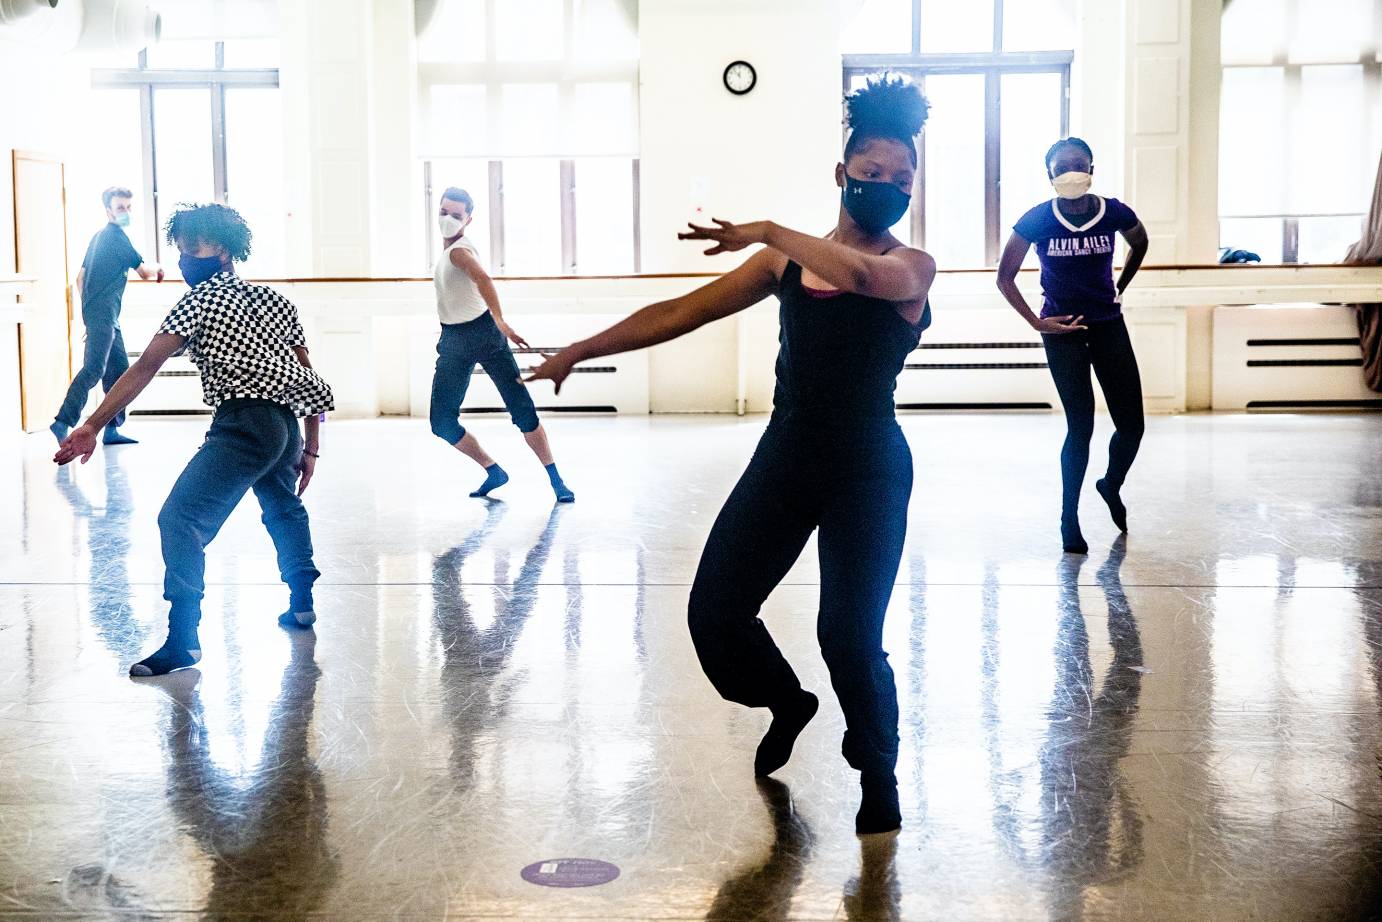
[{"x": 1094, "y": 244}]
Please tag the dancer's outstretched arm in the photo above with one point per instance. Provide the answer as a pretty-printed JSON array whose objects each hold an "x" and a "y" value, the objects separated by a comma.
[
  {"x": 82, "y": 441},
  {"x": 657, "y": 323},
  {"x": 902, "y": 274}
]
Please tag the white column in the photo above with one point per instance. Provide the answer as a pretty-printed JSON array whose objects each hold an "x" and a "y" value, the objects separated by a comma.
[
  {"x": 1098, "y": 90},
  {"x": 324, "y": 76},
  {"x": 1172, "y": 169},
  {"x": 396, "y": 174},
  {"x": 1172, "y": 139}
]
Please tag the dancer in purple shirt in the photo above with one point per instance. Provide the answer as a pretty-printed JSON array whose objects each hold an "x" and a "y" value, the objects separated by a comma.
[{"x": 1081, "y": 322}]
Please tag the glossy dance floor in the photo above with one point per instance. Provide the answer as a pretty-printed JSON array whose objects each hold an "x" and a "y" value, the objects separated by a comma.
[{"x": 1195, "y": 734}]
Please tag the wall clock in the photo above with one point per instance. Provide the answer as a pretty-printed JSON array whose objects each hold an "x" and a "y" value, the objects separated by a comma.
[{"x": 740, "y": 78}]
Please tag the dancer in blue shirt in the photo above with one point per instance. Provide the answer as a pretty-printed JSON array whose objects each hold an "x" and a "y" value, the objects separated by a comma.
[{"x": 1081, "y": 322}]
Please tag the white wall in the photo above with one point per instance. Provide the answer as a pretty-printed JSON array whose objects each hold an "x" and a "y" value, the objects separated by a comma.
[{"x": 769, "y": 154}]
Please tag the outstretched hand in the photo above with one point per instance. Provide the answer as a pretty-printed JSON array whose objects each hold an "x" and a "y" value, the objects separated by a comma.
[
  {"x": 80, "y": 443},
  {"x": 555, "y": 368},
  {"x": 728, "y": 236}
]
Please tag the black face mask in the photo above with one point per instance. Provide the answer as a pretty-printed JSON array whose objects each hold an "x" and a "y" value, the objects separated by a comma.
[{"x": 874, "y": 206}]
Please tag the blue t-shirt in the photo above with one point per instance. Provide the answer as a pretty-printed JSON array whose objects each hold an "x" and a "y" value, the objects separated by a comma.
[
  {"x": 109, "y": 258},
  {"x": 1077, "y": 259}
]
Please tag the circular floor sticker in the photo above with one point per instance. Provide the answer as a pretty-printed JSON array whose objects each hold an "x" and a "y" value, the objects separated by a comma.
[{"x": 570, "y": 872}]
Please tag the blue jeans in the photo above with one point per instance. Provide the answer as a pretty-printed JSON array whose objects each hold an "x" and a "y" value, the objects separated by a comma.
[
  {"x": 104, "y": 360},
  {"x": 252, "y": 445},
  {"x": 853, "y": 486},
  {"x": 462, "y": 346}
]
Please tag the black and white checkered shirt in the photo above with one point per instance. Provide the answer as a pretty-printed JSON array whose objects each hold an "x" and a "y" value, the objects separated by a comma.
[{"x": 241, "y": 337}]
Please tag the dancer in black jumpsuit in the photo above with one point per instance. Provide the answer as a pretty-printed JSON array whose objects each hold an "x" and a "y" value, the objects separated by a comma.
[{"x": 833, "y": 459}]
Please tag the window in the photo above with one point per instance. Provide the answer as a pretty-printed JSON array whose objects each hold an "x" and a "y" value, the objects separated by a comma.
[
  {"x": 997, "y": 78},
  {"x": 1300, "y": 126},
  {"x": 542, "y": 216},
  {"x": 532, "y": 107},
  {"x": 204, "y": 120}
]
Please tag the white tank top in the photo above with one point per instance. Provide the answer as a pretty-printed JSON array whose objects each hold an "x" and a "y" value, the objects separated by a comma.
[{"x": 458, "y": 297}]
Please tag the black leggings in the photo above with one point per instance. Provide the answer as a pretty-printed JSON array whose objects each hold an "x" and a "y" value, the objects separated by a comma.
[
  {"x": 1105, "y": 347},
  {"x": 855, "y": 490}
]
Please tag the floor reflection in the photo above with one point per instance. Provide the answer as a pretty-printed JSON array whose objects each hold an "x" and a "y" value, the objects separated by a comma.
[
  {"x": 108, "y": 551},
  {"x": 765, "y": 890},
  {"x": 875, "y": 895},
  {"x": 475, "y": 655},
  {"x": 1092, "y": 826},
  {"x": 264, "y": 833},
  {"x": 532, "y": 692}
]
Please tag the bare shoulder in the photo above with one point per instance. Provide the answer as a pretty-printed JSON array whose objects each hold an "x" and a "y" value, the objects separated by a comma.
[
  {"x": 915, "y": 257},
  {"x": 465, "y": 257},
  {"x": 769, "y": 261}
]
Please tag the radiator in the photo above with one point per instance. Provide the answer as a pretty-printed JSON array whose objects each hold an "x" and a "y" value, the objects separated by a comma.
[{"x": 1288, "y": 357}]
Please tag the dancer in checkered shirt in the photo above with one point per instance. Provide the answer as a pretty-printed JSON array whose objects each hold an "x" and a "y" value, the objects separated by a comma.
[{"x": 249, "y": 348}]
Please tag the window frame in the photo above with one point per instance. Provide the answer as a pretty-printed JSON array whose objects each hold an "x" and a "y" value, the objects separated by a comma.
[
  {"x": 493, "y": 74},
  {"x": 216, "y": 80},
  {"x": 569, "y": 169},
  {"x": 993, "y": 65},
  {"x": 1292, "y": 77}
]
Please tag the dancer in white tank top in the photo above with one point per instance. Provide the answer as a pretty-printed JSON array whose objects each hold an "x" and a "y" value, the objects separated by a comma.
[{"x": 473, "y": 331}]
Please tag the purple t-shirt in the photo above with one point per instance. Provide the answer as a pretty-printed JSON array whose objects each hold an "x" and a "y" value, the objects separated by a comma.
[{"x": 1077, "y": 259}]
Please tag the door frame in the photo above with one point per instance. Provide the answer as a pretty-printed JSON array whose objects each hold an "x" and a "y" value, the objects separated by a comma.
[{"x": 16, "y": 157}]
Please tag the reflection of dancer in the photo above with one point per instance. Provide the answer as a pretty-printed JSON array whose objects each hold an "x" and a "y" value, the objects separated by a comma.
[
  {"x": 108, "y": 549},
  {"x": 876, "y": 894},
  {"x": 474, "y": 331},
  {"x": 1091, "y": 828},
  {"x": 264, "y": 830},
  {"x": 833, "y": 458},
  {"x": 474, "y": 656},
  {"x": 101, "y": 283},
  {"x": 1081, "y": 322},
  {"x": 765, "y": 891},
  {"x": 252, "y": 356}
]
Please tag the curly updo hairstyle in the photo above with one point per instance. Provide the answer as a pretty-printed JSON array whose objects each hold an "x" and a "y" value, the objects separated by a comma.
[{"x": 887, "y": 107}]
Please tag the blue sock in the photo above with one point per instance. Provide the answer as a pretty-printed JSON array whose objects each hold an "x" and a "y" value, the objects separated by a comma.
[
  {"x": 300, "y": 598},
  {"x": 495, "y": 477},
  {"x": 564, "y": 494},
  {"x": 301, "y": 612},
  {"x": 60, "y": 430},
  {"x": 114, "y": 436}
]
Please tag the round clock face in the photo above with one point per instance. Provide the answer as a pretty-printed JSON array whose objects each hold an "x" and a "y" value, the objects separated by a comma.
[{"x": 740, "y": 77}]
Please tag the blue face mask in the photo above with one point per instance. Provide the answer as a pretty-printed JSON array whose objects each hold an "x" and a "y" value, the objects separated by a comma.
[
  {"x": 197, "y": 269},
  {"x": 122, "y": 219}
]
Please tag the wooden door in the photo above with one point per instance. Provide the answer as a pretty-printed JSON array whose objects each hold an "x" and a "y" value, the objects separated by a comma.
[{"x": 40, "y": 243}]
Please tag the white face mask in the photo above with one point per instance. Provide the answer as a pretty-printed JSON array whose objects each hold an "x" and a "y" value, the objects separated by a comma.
[
  {"x": 1073, "y": 184},
  {"x": 450, "y": 225}
]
